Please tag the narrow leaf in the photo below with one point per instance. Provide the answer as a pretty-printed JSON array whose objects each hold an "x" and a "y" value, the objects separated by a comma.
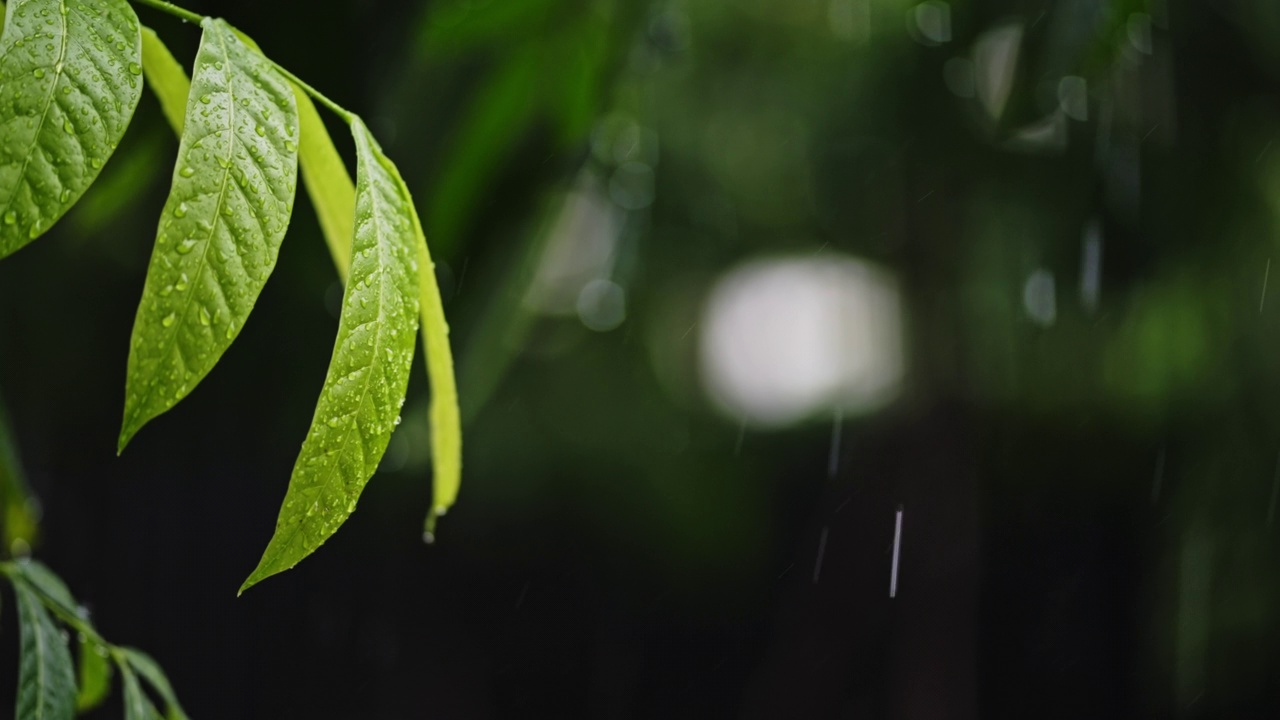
[
  {"x": 46, "y": 677},
  {"x": 150, "y": 671},
  {"x": 446, "y": 425},
  {"x": 328, "y": 183},
  {"x": 95, "y": 675},
  {"x": 360, "y": 403},
  {"x": 166, "y": 78},
  {"x": 221, "y": 227},
  {"x": 137, "y": 706},
  {"x": 69, "y": 82}
]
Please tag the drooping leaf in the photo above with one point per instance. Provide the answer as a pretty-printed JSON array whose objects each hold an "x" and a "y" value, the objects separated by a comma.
[
  {"x": 166, "y": 78},
  {"x": 221, "y": 228},
  {"x": 150, "y": 671},
  {"x": 446, "y": 423},
  {"x": 137, "y": 706},
  {"x": 46, "y": 677},
  {"x": 368, "y": 374},
  {"x": 69, "y": 81},
  {"x": 328, "y": 183},
  {"x": 95, "y": 675},
  {"x": 324, "y": 175}
]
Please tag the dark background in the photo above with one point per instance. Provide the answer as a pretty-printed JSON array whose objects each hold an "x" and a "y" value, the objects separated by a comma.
[{"x": 1088, "y": 499}]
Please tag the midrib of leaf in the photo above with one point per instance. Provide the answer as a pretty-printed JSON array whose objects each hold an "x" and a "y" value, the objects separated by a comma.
[
  {"x": 170, "y": 333},
  {"x": 369, "y": 375},
  {"x": 58, "y": 68}
]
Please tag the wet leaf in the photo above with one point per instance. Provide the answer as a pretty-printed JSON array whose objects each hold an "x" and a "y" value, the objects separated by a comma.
[
  {"x": 221, "y": 228},
  {"x": 360, "y": 403},
  {"x": 71, "y": 81},
  {"x": 46, "y": 677}
]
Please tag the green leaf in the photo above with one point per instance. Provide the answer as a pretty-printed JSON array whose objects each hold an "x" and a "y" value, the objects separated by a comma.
[
  {"x": 150, "y": 671},
  {"x": 17, "y": 507},
  {"x": 323, "y": 173},
  {"x": 48, "y": 585},
  {"x": 137, "y": 706},
  {"x": 70, "y": 85},
  {"x": 221, "y": 228},
  {"x": 46, "y": 677},
  {"x": 95, "y": 675},
  {"x": 368, "y": 374},
  {"x": 503, "y": 110},
  {"x": 328, "y": 184},
  {"x": 166, "y": 78},
  {"x": 446, "y": 424}
]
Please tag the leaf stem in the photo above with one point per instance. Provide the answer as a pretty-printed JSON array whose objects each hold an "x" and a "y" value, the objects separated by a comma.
[
  {"x": 174, "y": 10},
  {"x": 346, "y": 115},
  {"x": 168, "y": 7}
]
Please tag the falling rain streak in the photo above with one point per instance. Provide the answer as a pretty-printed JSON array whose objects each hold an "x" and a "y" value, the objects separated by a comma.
[
  {"x": 897, "y": 547},
  {"x": 822, "y": 549},
  {"x": 833, "y": 460}
]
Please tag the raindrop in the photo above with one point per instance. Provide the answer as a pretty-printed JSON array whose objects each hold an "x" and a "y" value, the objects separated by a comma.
[
  {"x": 187, "y": 171},
  {"x": 10, "y": 218},
  {"x": 135, "y": 68},
  {"x": 180, "y": 211},
  {"x": 169, "y": 320}
]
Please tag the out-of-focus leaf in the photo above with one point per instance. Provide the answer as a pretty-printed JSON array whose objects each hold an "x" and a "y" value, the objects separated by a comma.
[
  {"x": 20, "y": 524},
  {"x": 65, "y": 113},
  {"x": 221, "y": 228},
  {"x": 459, "y": 25},
  {"x": 123, "y": 182},
  {"x": 137, "y": 706},
  {"x": 46, "y": 677},
  {"x": 360, "y": 403},
  {"x": 502, "y": 112},
  {"x": 150, "y": 670},
  {"x": 95, "y": 675}
]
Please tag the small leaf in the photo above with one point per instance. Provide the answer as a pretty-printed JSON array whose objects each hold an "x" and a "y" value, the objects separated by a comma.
[
  {"x": 48, "y": 585},
  {"x": 17, "y": 505},
  {"x": 137, "y": 706},
  {"x": 166, "y": 78},
  {"x": 150, "y": 671},
  {"x": 46, "y": 677},
  {"x": 95, "y": 675},
  {"x": 328, "y": 184},
  {"x": 69, "y": 91},
  {"x": 222, "y": 225},
  {"x": 360, "y": 403}
]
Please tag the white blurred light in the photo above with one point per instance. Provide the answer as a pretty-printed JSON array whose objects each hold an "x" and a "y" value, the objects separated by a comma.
[
  {"x": 930, "y": 22},
  {"x": 995, "y": 60},
  {"x": 785, "y": 339},
  {"x": 1073, "y": 97},
  {"x": 581, "y": 247},
  {"x": 602, "y": 305},
  {"x": 1139, "y": 32},
  {"x": 1091, "y": 266},
  {"x": 1039, "y": 298}
]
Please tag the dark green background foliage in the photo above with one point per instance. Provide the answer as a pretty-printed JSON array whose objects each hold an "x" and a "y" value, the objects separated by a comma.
[{"x": 1087, "y": 487}]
